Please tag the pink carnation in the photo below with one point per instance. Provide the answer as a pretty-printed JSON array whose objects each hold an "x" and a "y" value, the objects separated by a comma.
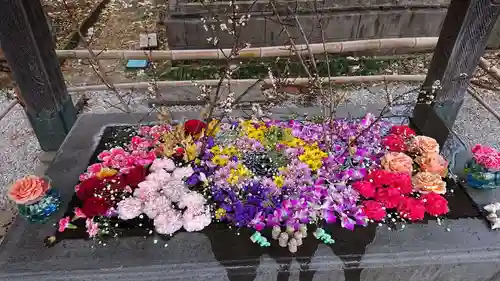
[
  {"x": 92, "y": 171},
  {"x": 168, "y": 222},
  {"x": 182, "y": 172},
  {"x": 146, "y": 190},
  {"x": 157, "y": 205},
  {"x": 116, "y": 158},
  {"x": 161, "y": 177},
  {"x": 129, "y": 208},
  {"x": 174, "y": 190},
  {"x": 196, "y": 221},
  {"x": 192, "y": 201},
  {"x": 92, "y": 227},
  {"x": 79, "y": 213},
  {"x": 486, "y": 156},
  {"x": 142, "y": 158},
  {"x": 160, "y": 164},
  {"x": 63, "y": 224},
  {"x": 138, "y": 143}
]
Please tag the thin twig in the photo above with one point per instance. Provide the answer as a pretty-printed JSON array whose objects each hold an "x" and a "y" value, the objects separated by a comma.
[{"x": 292, "y": 42}]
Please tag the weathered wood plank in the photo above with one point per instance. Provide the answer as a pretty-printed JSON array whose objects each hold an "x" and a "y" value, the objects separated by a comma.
[
  {"x": 462, "y": 41},
  {"x": 29, "y": 50}
]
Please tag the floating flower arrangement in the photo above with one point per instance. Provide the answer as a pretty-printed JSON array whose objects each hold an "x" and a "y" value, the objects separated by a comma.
[{"x": 283, "y": 179}]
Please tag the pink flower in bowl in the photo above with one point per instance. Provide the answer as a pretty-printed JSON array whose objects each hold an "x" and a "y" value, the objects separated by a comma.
[{"x": 28, "y": 190}]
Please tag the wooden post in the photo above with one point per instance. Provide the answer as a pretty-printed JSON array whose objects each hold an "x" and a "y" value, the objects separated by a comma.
[
  {"x": 461, "y": 43},
  {"x": 29, "y": 50}
]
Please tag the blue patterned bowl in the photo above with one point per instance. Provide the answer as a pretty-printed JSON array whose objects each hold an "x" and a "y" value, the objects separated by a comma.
[
  {"x": 479, "y": 177},
  {"x": 41, "y": 211}
]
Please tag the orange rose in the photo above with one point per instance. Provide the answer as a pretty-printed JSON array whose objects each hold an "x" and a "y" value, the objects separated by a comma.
[
  {"x": 424, "y": 145},
  {"x": 28, "y": 190},
  {"x": 433, "y": 163},
  {"x": 426, "y": 182},
  {"x": 397, "y": 162}
]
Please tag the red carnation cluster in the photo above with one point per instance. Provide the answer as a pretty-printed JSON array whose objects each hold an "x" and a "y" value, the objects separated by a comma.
[
  {"x": 390, "y": 190},
  {"x": 403, "y": 131},
  {"x": 98, "y": 195},
  {"x": 398, "y": 138}
]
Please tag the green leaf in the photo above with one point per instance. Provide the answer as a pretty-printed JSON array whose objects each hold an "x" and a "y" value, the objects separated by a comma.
[{"x": 71, "y": 226}]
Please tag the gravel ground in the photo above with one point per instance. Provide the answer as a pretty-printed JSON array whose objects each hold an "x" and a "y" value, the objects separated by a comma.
[{"x": 19, "y": 149}]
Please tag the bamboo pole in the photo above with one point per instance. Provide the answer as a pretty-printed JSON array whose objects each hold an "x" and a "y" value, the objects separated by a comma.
[
  {"x": 291, "y": 81},
  {"x": 490, "y": 69},
  {"x": 415, "y": 44}
]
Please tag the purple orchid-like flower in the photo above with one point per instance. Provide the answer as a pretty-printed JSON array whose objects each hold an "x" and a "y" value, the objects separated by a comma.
[
  {"x": 302, "y": 216},
  {"x": 329, "y": 216},
  {"x": 258, "y": 222},
  {"x": 346, "y": 222}
]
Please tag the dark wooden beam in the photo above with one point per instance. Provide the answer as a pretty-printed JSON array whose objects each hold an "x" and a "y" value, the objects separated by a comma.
[
  {"x": 29, "y": 50},
  {"x": 461, "y": 43}
]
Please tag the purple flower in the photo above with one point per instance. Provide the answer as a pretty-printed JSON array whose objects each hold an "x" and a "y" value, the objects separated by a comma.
[
  {"x": 210, "y": 142},
  {"x": 194, "y": 179},
  {"x": 347, "y": 222},
  {"x": 329, "y": 216},
  {"x": 258, "y": 222}
]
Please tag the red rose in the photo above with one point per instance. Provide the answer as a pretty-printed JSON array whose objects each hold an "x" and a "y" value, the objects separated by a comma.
[
  {"x": 379, "y": 178},
  {"x": 395, "y": 143},
  {"x": 135, "y": 176},
  {"x": 95, "y": 207},
  {"x": 411, "y": 209},
  {"x": 194, "y": 127},
  {"x": 389, "y": 197},
  {"x": 88, "y": 187},
  {"x": 435, "y": 204},
  {"x": 374, "y": 210},
  {"x": 179, "y": 151},
  {"x": 365, "y": 188},
  {"x": 403, "y": 131},
  {"x": 402, "y": 181}
]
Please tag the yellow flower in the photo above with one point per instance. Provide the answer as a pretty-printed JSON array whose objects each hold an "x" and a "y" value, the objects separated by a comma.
[
  {"x": 212, "y": 129},
  {"x": 219, "y": 213},
  {"x": 215, "y": 150},
  {"x": 106, "y": 172},
  {"x": 191, "y": 152},
  {"x": 220, "y": 160},
  {"x": 279, "y": 181},
  {"x": 316, "y": 165},
  {"x": 243, "y": 171},
  {"x": 233, "y": 179}
]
